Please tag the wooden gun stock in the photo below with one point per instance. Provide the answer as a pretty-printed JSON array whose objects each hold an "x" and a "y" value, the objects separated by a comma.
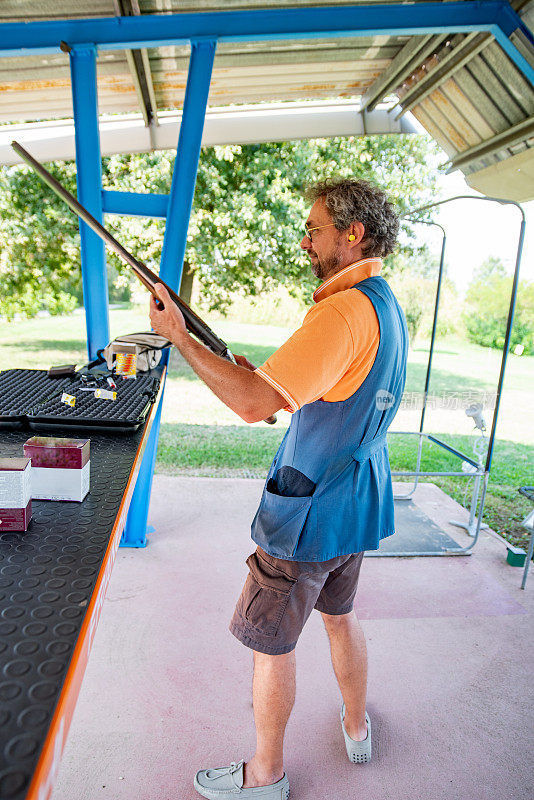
[{"x": 193, "y": 322}]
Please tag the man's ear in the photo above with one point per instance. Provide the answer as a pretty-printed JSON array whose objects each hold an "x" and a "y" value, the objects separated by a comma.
[{"x": 356, "y": 233}]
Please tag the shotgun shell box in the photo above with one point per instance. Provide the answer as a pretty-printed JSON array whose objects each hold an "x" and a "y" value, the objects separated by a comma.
[
  {"x": 125, "y": 359},
  {"x": 15, "y": 494},
  {"x": 60, "y": 467}
]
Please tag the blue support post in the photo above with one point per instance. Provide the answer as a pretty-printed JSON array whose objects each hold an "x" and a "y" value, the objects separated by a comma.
[
  {"x": 135, "y": 530},
  {"x": 186, "y": 166},
  {"x": 178, "y": 213},
  {"x": 89, "y": 189}
]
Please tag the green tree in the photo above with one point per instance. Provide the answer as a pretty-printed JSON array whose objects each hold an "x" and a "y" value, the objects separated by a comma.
[
  {"x": 39, "y": 243},
  {"x": 245, "y": 226},
  {"x": 248, "y": 209},
  {"x": 488, "y": 300},
  {"x": 492, "y": 267}
]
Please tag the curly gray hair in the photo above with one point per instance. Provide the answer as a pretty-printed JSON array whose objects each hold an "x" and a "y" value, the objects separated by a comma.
[{"x": 349, "y": 200}]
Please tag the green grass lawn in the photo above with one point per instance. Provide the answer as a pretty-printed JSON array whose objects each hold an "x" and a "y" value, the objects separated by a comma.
[{"x": 200, "y": 436}]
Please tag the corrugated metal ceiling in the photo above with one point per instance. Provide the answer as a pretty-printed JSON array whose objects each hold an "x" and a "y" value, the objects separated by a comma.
[{"x": 463, "y": 89}]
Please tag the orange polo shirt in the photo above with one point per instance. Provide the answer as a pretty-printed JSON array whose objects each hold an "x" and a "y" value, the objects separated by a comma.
[{"x": 331, "y": 354}]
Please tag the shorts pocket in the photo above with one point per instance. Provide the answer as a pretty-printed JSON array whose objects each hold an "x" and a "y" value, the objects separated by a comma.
[
  {"x": 279, "y": 522},
  {"x": 265, "y": 595}
]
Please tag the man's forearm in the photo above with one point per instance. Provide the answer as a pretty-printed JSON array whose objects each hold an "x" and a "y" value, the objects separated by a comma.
[
  {"x": 238, "y": 387},
  {"x": 252, "y": 398}
]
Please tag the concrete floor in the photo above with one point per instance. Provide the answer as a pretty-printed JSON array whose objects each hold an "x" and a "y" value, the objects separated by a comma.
[{"x": 167, "y": 689}]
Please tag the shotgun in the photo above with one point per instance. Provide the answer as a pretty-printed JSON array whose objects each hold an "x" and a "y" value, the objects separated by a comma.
[{"x": 193, "y": 322}]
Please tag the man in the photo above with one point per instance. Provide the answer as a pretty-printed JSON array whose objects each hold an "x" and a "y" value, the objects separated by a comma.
[{"x": 328, "y": 494}]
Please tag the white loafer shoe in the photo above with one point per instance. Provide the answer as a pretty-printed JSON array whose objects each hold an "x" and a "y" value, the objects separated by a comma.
[
  {"x": 358, "y": 752},
  {"x": 222, "y": 782}
]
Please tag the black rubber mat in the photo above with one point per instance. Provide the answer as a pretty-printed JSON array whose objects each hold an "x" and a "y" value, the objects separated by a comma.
[
  {"x": 29, "y": 398},
  {"x": 415, "y": 532},
  {"x": 47, "y": 577}
]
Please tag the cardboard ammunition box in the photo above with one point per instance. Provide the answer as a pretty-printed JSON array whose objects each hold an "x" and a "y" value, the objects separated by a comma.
[
  {"x": 60, "y": 467},
  {"x": 15, "y": 494},
  {"x": 124, "y": 357}
]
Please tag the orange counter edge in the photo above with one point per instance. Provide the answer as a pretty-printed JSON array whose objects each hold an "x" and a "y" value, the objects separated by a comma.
[{"x": 47, "y": 767}]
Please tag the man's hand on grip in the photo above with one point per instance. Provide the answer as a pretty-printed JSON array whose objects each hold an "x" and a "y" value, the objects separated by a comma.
[{"x": 168, "y": 320}]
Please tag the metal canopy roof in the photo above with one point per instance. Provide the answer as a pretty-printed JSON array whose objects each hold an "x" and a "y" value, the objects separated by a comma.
[{"x": 463, "y": 87}]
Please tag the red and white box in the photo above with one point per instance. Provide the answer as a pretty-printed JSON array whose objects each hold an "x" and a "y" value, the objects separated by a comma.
[
  {"x": 60, "y": 467},
  {"x": 15, "y": 494}
]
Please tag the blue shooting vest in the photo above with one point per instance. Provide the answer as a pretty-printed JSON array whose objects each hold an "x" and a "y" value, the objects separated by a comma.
[{"x": 341, "y": 448}]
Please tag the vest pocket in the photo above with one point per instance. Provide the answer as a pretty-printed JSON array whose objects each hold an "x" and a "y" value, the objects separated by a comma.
[{"x": 279, "y": 522}]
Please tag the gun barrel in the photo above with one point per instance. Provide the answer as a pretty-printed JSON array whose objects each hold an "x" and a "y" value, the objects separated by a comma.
[{"x": 194, "y": 323}]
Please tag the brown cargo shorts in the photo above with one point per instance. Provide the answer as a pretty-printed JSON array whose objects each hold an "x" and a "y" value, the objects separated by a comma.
[{"x": 279, "y": 596}]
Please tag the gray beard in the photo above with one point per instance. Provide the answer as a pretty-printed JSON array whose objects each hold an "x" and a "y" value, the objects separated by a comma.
[{"x": 322, "y": 269}]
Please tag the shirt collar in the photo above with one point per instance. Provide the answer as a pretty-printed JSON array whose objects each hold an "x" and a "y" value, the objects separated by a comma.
[{"x": 347, "y": 277}]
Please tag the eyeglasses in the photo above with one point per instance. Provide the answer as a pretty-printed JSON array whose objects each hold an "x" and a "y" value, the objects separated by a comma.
[{"x": 308, "y": 231}]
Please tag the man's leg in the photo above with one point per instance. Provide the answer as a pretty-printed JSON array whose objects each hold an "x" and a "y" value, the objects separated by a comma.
[
  {"x": 349, "y": 659},
  {"x": 273, "y": 695}
]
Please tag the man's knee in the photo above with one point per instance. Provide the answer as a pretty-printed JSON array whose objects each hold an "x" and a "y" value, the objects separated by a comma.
[
  {"x": 337, "y": 622},
  {"x": 272, "y": 660}
]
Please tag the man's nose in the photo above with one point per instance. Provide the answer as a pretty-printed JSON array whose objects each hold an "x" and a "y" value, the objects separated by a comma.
[{"x": 305, "y": 243}]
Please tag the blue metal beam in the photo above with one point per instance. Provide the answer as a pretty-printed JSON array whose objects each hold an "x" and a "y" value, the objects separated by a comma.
[
  {"x": 515, "y": 55},
  {"x": 89, "y": 189},
  {"x": 132, "y": 204},
  {"x": 508, "y": 22},
  {"x": 152, "y": 30},
  {"x": 186, "y": 165},
  {"x": 178, "y": 212}
]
